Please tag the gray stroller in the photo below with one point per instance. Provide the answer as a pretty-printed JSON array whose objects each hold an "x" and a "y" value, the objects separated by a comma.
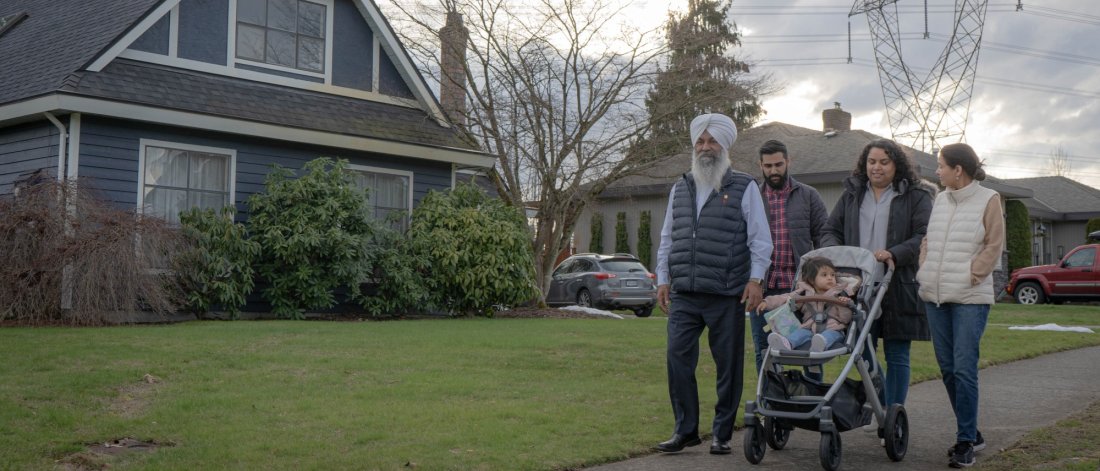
[{"x": 787, "y": 399}]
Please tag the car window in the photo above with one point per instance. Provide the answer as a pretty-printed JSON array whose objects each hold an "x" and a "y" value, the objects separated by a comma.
[
  {"x": 565, "y": 267},
  {"x": 1081, "y": 258},
  {"x": 623, "y": 266},
  {"x": 584, "y": 266}
]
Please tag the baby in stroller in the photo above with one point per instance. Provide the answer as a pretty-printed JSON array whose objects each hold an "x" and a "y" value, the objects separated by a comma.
[{"x": 819, "y": 277}]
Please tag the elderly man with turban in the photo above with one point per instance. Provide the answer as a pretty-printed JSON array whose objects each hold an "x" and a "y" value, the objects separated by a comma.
[{"x": 715, "y": 249}]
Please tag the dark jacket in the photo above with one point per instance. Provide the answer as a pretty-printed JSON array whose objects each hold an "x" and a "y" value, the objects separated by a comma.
[
  {"x": 710, "y": 253},
  {"x": 903, "y": 316},
  {"x": 806, "y": 218}
]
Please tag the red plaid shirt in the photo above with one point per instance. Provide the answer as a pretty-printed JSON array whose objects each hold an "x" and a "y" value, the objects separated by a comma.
[{"x": 781, "y": 273}]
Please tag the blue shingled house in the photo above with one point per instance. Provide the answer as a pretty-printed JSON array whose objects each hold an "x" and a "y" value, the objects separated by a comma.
[{"x": 165, "y": 105}]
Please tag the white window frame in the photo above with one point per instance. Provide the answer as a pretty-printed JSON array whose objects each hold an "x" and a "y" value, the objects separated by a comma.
[
  {"x": 389, "y": 171},
  {"x": 232, "y": 45},
  {"x": 145, "y": 144}
]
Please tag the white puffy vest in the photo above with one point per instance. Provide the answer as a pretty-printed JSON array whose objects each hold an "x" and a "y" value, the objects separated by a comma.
[{"x": 955, "y": 234}]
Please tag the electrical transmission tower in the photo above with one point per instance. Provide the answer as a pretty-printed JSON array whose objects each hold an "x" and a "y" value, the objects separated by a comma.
[{"x": 926, "y": 112}]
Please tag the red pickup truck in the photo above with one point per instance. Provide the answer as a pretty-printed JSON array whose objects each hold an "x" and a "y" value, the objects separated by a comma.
[{"x": 1075, "y": 278}]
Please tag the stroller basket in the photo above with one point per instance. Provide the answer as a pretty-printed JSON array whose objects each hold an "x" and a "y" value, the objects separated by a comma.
[{"x": 783, "y": 389}]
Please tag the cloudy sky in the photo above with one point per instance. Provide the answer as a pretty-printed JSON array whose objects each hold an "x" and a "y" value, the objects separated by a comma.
[{"x": 1038, "y": 74}]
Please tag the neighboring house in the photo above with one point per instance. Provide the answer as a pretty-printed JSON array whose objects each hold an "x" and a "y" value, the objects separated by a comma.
[
  {"x": 1059, "y": 213},
  {"x": 819, "y": 158},
  {"x": 163, "y": 105}
]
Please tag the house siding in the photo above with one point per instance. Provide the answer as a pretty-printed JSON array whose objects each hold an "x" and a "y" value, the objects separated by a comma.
[
  {"x": 24, "y": 149},
  {"x": 155, "y": 39},
  {"x": 390, "y": 81},
  {"x": 610, "y": 208},
  {"x": 109, "y": 151},
  {"x": 1067, "y": 235},
  {"x": 204, "y": 30},
  {"x": 352, "y": 48}
]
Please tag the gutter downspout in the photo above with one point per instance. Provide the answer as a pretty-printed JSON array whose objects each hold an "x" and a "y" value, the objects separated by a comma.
[
  {"x": 61, "y": 145},
  {"x": 62, "y": 160}
]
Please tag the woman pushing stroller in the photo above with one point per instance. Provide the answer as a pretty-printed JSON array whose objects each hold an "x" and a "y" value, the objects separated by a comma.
[{"x": 819, "y": 278}]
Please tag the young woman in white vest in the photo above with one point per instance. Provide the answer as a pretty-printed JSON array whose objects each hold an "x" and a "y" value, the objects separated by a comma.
[{"x": 963, "y": 245}]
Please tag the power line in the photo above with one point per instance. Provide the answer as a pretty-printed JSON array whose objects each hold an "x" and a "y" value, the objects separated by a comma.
[{"x": 990, "y": 45}]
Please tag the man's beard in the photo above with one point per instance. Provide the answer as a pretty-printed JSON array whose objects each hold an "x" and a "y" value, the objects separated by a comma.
[
  {"x": 776, "y": 184},
  {"x": 709, "y": 168}
]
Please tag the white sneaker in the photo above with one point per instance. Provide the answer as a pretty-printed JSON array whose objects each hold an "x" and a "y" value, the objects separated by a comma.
[
  {"x": 817, "y": 343},
  {"x": 778, "y": 342}
]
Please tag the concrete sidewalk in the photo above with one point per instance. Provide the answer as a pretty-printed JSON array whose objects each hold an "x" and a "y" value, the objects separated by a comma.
[{"x": 1015, "y": 398}]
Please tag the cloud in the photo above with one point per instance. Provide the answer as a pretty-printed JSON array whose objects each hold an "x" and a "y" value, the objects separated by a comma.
[{"x": 1035, "y": 90}]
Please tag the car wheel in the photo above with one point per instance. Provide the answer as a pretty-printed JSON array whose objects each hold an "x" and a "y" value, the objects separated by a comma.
[
  {"x": 644, "y": 311},
  {"x": 1029, "y": 293},
  {"x": 584, "y": 298}
]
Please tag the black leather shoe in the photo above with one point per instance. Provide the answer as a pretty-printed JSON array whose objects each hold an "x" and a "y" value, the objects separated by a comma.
[
  {"x": 719, "y": 447},
  {"x": 677, "y": 443}
]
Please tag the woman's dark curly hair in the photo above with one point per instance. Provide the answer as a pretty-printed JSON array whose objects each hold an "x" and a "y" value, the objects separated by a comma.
[{"x": 905, "y": 170}]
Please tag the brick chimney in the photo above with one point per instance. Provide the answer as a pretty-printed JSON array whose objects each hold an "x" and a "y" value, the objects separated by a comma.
[
  {"x": 836, "y": 119},
  {"x": 453, "y": 38}
]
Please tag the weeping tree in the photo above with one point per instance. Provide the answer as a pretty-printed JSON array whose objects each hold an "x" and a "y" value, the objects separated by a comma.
[{"x": 553, "y": 91}]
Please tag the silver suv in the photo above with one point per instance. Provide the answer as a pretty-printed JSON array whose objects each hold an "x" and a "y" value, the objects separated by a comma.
[{"x": 617, "y": 281}]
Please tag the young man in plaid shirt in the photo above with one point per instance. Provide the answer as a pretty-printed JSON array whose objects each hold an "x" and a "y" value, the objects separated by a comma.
[{"x": 796, "y": 217}]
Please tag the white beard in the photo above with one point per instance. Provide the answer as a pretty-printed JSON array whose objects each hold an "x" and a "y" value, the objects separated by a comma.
[{"x": 709, "y": 169}]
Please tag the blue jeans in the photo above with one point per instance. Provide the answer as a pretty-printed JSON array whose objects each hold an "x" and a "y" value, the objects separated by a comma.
[
  {"x": 800, "y": 339},
  {"x": 896, "y": 380},
  {"x": 956, "y": 334}
]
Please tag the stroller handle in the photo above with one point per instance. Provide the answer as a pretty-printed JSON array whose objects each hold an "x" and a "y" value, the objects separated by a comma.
[{"x": 828, "y": 299}]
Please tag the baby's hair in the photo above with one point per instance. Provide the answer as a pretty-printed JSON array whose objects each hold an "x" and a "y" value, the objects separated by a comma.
[{"x": 812, "y": 266}]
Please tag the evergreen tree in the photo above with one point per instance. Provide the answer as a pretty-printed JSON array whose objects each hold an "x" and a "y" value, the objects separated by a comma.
[
  {"x": 645, "y": 241},
  {"x": 1017, "y": 235},
  {"x": 595, "y": 243},
  {"x": 701, "y": 76},
  {"x": 622, "y": 241}
]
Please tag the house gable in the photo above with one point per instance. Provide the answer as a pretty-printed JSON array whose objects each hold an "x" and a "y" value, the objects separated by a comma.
[{"x": 361, "y": 57}]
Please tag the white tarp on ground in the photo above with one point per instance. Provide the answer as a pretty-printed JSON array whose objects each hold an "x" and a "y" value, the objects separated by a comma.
[
  {"x": 595, "y": 312},
  {"x": 1054, "y": 327}
]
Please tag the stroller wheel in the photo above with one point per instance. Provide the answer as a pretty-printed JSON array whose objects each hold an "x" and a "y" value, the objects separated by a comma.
[
  {"x": 896, "y": 432},
  {"x": 755, "y": 443},
  {"x": 776, "y": 432},
  {"x": 830, "y": 450}
]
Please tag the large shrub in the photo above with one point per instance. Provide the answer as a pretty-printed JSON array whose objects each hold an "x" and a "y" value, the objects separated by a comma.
[
  {"x": 1017, "y": 235},
  {"x": 215, "y": 264},
  {"x": 595, "y": 243},
  {"x": 397, "y": 280},
  {"x": 478, "y": 248},
  {"x": 622, "y": 242},
  {"x": 645, "y": 240},
  {"x": 1092, "y": 226},
  {"x": 313, "y": 233},
  {"x": 70, "y": 258}
]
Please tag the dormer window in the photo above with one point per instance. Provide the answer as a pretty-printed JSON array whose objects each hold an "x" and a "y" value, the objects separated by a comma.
[{"x": 286, "y": 33}]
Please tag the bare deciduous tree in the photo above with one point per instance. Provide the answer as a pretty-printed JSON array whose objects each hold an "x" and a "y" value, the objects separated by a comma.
[
  {"x": 554, "y": 92},
  {"x": 1059, "y": 163}
]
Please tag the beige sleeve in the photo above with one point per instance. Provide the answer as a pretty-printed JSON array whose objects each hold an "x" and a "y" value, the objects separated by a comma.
[
  {"x": 923, "y": 251},
  {"x": 993, "y": 244}
]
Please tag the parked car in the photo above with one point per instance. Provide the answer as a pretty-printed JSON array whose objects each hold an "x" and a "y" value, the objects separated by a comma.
[
  {"x": 1076, "y": 277},
  {"x": 617, "y": 281}
]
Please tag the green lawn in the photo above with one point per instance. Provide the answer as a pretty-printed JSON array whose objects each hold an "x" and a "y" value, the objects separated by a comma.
[{"x": 487, "y": 394}]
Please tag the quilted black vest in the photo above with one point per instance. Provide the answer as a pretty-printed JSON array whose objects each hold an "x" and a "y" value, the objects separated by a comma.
[{"x": 710, "y": 254}]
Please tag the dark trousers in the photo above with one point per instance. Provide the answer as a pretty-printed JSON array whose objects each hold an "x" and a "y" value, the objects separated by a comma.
[{"x": 724, "y": 319}]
